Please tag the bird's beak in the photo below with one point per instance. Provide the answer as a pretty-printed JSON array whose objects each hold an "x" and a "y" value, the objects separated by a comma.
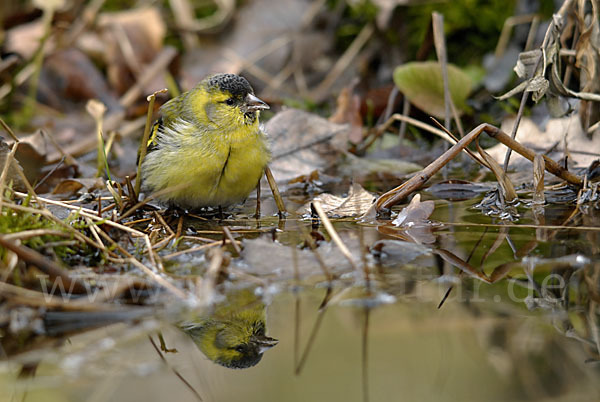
[
  {"x": 254, "y": 103},
  {"x": 264, "y": 343}
]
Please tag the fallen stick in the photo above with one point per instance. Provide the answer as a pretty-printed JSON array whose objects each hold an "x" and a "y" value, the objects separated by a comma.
[{"x": 396, "y": 195}]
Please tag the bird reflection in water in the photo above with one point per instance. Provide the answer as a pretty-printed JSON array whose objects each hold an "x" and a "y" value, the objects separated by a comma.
[{"x": 234, "y": 333}]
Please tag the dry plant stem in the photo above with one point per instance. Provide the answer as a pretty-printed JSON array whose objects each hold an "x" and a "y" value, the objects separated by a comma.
[
  {"x": 344, "y": 61},
  {"x": 194, "y": 249},
  {"x": 513, "y": 134},
  {"x": 46, "y": 266},
  {"x": 440, "y": 48},
  {"x": 334, "y": 235},
  {"x": 160, "y": 63},
  {"x": 32, "y": 298},
  {"x": 562, "y": 11},
  {"x": 234, "y": 243},
  {"x": 144, "y": 144},
  {"x": 81, "y": 211},
  {"x": 398, "y": 117},
  {"x": 398, "y": 194},
  {"x": 154, "y": 276},
  {"x": 207, "y": 285},
  {"x": 313, "y": 247},
  {"x": 7, "y": 163},
  {"x": 163, "y": 223},
  {"x": 437, "y": 21},
  {"x": 275, "y": 191},
  {"x": 163, "y": 243},
  {"x": 506, "y": 29},
  {"x": 53, "y": 218},
  {"x": 27, "y": 234},
  {"x": 179, "y": 227},
  {"x": 65, "y": 155},
  {"x": 257, "y": 214},
  {"x": 8, "y": 130}
]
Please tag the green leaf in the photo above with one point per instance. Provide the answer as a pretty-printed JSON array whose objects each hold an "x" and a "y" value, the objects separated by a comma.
[{"x": 422, "y": 84}]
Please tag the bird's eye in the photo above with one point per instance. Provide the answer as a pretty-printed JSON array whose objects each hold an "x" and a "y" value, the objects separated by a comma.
[{"x": 230, "y": 101}]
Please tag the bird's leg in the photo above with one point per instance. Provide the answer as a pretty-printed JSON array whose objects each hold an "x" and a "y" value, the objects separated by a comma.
[
  {"x": 220, "y": 213},
  {"x": 257, "y": 216}
]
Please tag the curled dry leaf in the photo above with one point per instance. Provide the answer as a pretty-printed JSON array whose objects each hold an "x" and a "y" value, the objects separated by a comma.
[
  {"x": 416, "y": 212},
  {"x": 74, "y": 186},
  {"x": 538, "y": 179},
  {"x": 356, "y": 203},
  {"x": 412, "y": 222}
]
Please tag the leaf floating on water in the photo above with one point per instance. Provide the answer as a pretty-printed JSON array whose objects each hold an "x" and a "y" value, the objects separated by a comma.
[
  {"x": 422, "y": 84},
  {"x": 412, "y": 222},
  {"x": 416, "y": 212},
  {"x": 356, "y": 203}
]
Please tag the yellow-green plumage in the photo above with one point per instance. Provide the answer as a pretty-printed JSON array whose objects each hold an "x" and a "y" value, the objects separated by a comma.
[
  {"x": 207, "y": 148},
  {"x": 234, "y": 335}
]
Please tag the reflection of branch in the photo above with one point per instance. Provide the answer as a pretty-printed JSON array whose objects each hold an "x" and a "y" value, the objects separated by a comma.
[{"x": 174, "y": 370}]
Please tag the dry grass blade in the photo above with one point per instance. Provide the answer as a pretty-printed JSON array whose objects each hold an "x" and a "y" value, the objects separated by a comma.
[
  {"x": 193, "y": 249},
  {"x": 234, "y": 243},
  {"x": 144, "y": 144},
  {"x": 5, "y": 169},
  {"x": 334, "y": 235},
  {"x": 275, "y": 191},
  {"x": 439, "y": 40},
  {"x": 8, "y": 130}
]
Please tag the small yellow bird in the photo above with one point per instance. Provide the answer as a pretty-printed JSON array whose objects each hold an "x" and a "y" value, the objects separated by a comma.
[
  {"x": 234, "y": 335},
  {"x": 207, "y": 148}
]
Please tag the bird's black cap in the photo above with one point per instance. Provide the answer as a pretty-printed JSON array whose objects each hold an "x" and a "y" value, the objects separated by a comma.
[{"x": 234, "y": 84}]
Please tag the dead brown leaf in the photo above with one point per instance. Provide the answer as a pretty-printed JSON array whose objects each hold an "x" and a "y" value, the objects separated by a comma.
[
  {"x": 356, "y": 203},
  {"x": 69, "y": 75},
  {"x": 304, "y": 142},
  {"x": 74, "y": 186}
]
